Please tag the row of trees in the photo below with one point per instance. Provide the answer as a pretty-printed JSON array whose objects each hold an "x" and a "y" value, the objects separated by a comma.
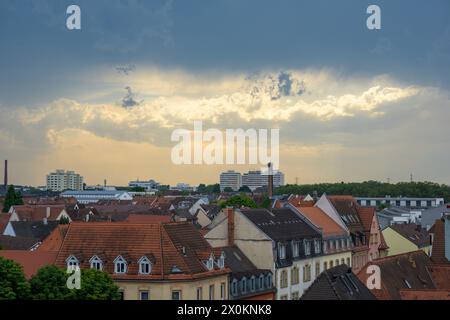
[
  {"x": 49, "y": 283},
  {"x": 242, "y": 200},
  {"x": 371, "y": 189}
]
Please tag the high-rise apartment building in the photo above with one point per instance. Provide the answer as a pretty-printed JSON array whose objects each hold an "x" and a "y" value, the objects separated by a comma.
[
  {"x": 256, "y": 179},
  {"x": 64, "y": 180},
  {"x": 230, "y": 179}
]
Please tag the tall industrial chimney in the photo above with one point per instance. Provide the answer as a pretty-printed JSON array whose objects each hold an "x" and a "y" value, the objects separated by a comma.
[
  {"x": 270, "y": 182},
  {"x": 6, "y": 174}
]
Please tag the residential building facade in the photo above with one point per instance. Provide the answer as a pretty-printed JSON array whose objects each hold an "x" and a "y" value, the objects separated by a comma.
[
  {"x": 230, "y": 179},
  {"x": 256, "y": 179},
  {"x": 61, "y": 180}
]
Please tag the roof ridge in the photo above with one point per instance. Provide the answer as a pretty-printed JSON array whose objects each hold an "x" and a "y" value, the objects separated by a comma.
[{"x": 398, "y": 255}]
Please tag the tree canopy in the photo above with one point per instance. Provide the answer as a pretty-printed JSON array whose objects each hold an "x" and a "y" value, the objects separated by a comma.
[
  {"x": 13, "y": 284},
  {"x": 49, "y": 283},
  {"x": 238, "y": 201},
  {"x": 371, "y": 189},
  {"x": 12, "y": 198}
]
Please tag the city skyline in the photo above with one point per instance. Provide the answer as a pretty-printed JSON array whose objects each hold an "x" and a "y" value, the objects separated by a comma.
[{"x": 351, "y": 104}]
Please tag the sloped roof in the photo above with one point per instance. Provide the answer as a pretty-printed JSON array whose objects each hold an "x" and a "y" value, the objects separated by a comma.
[
  {"x": 322, "y": 220},
  {"x": 280, "y": 224},
  {"x": 4, "y": 219},
  {"x": 160, "y": 242},
  {"x": 366, "y": 215},
  {"x": 16, "y": 243},
  {"x": 337, "y": 283},
  {"x": 410, "y": 294},
  {"x": 438, "y": 248},
  {"x": 413, "y": 232},
  {"x": 31, "y": 261},
  {"x": 38, "y": 212},
  {"x": 239, "y": 264},
  {"x": 347, "y": 208},
  {"x": 403, "y": 271},
  {"x": 33, "y": 229}
]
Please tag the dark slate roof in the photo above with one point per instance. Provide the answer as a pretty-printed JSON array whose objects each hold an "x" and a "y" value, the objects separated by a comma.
[
  {"x": 16, "y": 243},
  {"x": 414, "y": 233},
  {"x": 347, "y": 207},
  {"x": 430, "y": 216},
  {"x": 33, "y": 229},
  {"x": 338, "y": 283},
  {"x": 239, "y": 264},
  {"x": 281, "y": 224}
]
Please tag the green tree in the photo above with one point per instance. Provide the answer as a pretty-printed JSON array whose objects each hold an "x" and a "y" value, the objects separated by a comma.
[
  {"x": 238, "y": 201},
  {"x": 13, "y": 284},
  {"x": 12, "y": 198},
  {"x": 266, "y": 203},
  {"x": 96, "y": 285},
  {"x": 64, "y": 220},
  {"x": 49, "y": 283},
  {"x": 245, "y": 189},
  {"x": 228, "y": 189}
]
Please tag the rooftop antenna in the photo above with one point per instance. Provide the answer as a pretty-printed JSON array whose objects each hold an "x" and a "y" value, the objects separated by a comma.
[{"x": 6, "y": 174}]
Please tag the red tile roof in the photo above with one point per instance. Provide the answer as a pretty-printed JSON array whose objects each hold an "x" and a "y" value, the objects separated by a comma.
[
  {"x": 148, "y": 218},
  {"x": 166, "y": 245},
  {"x": 411, "y": 294},
  {"x": 321, "y": 220},
  {"x": 55, "y": 239},
  {"x": 38, "y": 212},
  {"x": 31, "y": 261},
  {"x": 366, "y": 215},
  {"x": 438, "y": 247},
  {"x": 4, "y": 218},
  {"x": 440, "y": 275}
]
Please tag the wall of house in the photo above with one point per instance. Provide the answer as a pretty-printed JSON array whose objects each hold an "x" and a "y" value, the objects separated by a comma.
[
  {"x": 397, "y": 243},
  {"x": 297, "y": 290},
  {"x": 374, "y": 239},
  {"x": 202, "y": 218},
  {"x": 163, "y": 290}
]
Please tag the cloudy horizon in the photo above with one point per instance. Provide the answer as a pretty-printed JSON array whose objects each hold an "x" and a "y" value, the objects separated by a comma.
[{"x": 351, "y": 104}]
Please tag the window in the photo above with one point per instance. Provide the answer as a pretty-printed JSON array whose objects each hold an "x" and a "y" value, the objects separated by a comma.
[
  {"x": 244, "y": 285},
  {"x": 325, "y": 265},
  {"x": 199, "y": 293},
  {"x": 211, "y": 292},
  {"x": 325, "y": 246},
  {"x": 253, "y": 284},
  {"x": 122, "y": 295},
  {"x": 283, "y": 279},
  {"x": 234, "y": 287},
  {"x": 261, "y": 281},
  {"x": 295, "y": 274},
  {"x": 317, "y": 269},
  {"x": 307, "y": 245},
  {"x": 316, "y": 246},
  {"x": 72, "y": 263},
  {"x": 348, "y": 262},
  {"x": 221, "y": 261},
  {"x": 331, "y": 264},
  {"x": 96, "y": 263},
  {"x": 342, "y": 261},
  {"x": 120, "y": 265},
  {"x": 307, "y": 273},
  {"x": 145, "y": 266},
  {"x": 176, "y": 295},
  {"x": 222, "y": 291},
  {"x": 337, "y": 262},
  {"x": 143, "y": 295},
  {"x": 281, "y": 251},
  {"x": 269, "y": 280},
  {"x": 342, "y": 244},
  {"x": 295, "y": 249},
  {"x": 210, "y": 263},
  {"x": 284, "y": 297},
  {"x": 337, "y": 244}
]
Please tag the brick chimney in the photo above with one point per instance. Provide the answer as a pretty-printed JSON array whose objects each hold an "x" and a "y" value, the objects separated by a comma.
[
  {"x": 270, "y": 182},
  {"x": 6, "y": 174},
  {"x": 229, "y": 212}
]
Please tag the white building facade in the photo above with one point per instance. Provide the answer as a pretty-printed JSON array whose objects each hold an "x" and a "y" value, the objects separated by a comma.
[
  {"x": 64, "y": 180},
  {"x": 256, "y": 179},
  {"x": 230, "y": 179}
]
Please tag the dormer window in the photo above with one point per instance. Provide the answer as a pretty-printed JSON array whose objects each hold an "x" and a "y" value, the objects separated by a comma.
[
  {"x": 253, "y": 284},
  {"x": 295, "y": 249},
  {"x": 281, "y": 251},
  {"x": 96, "y": 263},
  {"x": 145, "y": 266},
  {"x": 210, "y": 263},
  {"x": 261, "y": 281},
  {"x": 221, "y": 261},
  {"x": 244, "y": 285},
  {"x": 234, "y": 287},
  {"x": 307, "y": 245},
  {"x": 72, "y": 263},
  {"x": 316, "y": 246},
  {"x": 120, "y": 265}
]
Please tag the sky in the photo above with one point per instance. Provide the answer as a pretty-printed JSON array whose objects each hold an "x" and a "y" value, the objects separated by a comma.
[{"x": 351, "y": 104}]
